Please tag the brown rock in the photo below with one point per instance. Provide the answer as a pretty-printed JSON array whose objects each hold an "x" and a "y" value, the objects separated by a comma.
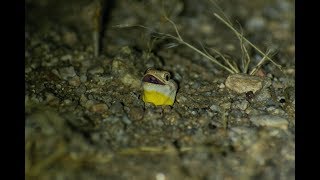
[
  {"x": 242, "y": 83},
  {"x": 136, "y": 113},
  {"x": 99, "y": 108}
]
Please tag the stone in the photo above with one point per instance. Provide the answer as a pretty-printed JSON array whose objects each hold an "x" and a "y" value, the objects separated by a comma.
[
  {"x": 99, "y": 108},
  {"x": 242, "y": 105},
  {"x": 136, "y": 113},
  {"x": 75, "y": 81},
  {"x": 270, "y": 121},
  {"x": 96, "y": 70},
  {"x": 242, "y": 83},
  {"x": 126, "y": 73},
  {"x": 67, "y": 72},
  {"x": 131, "y": 80},
  {"x": 215, "y": 108}
]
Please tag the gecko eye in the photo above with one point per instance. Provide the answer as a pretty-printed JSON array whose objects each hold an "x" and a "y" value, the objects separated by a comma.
[{"x": 166, "y": 76}]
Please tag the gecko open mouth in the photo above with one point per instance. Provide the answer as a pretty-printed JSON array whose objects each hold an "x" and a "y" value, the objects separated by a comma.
[{"x": 151, "y": 79}]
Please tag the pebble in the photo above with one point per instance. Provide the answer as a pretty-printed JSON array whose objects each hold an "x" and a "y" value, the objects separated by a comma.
[
  {"x": 117, "y": 108},
  {"x": 255, "y": 24},
  {"x": 214, "y": 107},
  {"x": 173, "y": 118},
  {"x": 181, "y": 99},
  {"x": 83, "y": 78},
  {"x": 67, "y": 72},
  {"x": 75, "y": 81},
  {"x": 66, "y": 57},
  {"x": 80, "y": 90},
  {"x": 55, "y": 72},
  {"x": 126, "y": 120},
  {"x": 263, "y": 96},
  {"x": 119, "y": 67},
  {"x": 222, "y": 86},
  {"x": 70, "y": 38},
  {"x": 242, "y": 105},
  {"x": 50, "y": 97},
  {"x": 225, "y": 105},
  {"x": 96, "y": 70},
  {"x": 131, "y": 80},
  {"x": 124, "y": 72},
  {"x": 242, "y": 83},
  {"x": 270, "y": 121},
  {"x": 99, "y": 108},
  {"x": 242, "y": 136},
  {"x": 275, "y": 111},
  {"x": 136, "y": 113},
  {"x": 88, "y": 104}
]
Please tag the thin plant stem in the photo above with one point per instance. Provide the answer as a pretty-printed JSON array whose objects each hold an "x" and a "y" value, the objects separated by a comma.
[
  {"x": 208, "y": 57},
  {"x": 180, "y": 40},
  {"x": 260, "y": 63},
  {"x": 245, "y": 55},
  {"x": 226, "y": 61},
  {"x": 238, "y": 34},
  {"x": 233, "y": 67}
]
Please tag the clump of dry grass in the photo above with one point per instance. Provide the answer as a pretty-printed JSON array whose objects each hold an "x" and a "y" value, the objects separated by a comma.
[{"x": 229, "y": 65}]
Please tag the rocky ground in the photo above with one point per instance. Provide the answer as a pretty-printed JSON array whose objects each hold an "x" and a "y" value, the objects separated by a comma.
[{"x": 85, "y": 117}]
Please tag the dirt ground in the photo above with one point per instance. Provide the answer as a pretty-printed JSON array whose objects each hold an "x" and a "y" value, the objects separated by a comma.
[{"x": 85, "y": 117}]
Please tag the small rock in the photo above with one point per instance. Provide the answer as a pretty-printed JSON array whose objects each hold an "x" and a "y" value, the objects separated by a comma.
[
  {"x": 99, "y": 108},
  {"x": 236, "y": 113},
  {"x": 256, "y": 23},
  {"x": 242, "y": 105},
  {"x": 67, "y": 72},
  {"x": 136, "y": 113},
  {"x": 131, "y": 80},
  {"x": 70, "y": 38},
  {"x": 117, "y": 108},
  {"x": 66, "y": 57},
  {"x": 225, "y": 105},
  {"x": 173, "y": 118},
  {"x": 260, "y": 73},
  {"x": 96, "y": 70},
  {"x": 126, "y": 73},
  {"x": 67, "y": 102},
  {"x": 50, "y": 97},
  {"x": 195, "y": 85},
  {"x": 276, "y": 111},
  {"x": 88, "y": 103},
  {"x": 75, "y": 81},
  {"x": 126, "y": 120},
  {"x": 214, "y": 107},
  {"x": 80, "y": 90},
  {"x": 55, "y": 72},
  {"x": 270, "y": 120},
  {"x": 181, "y": 99},
  {"x": 222, "y": 86},
  {"x": 83, "y": 78},
  {"x": 242, "y": 83},
  {"x": 119, "y": 67},
  {"x": 263, "y": 96},
  {"x": 83, "y": 100}
]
